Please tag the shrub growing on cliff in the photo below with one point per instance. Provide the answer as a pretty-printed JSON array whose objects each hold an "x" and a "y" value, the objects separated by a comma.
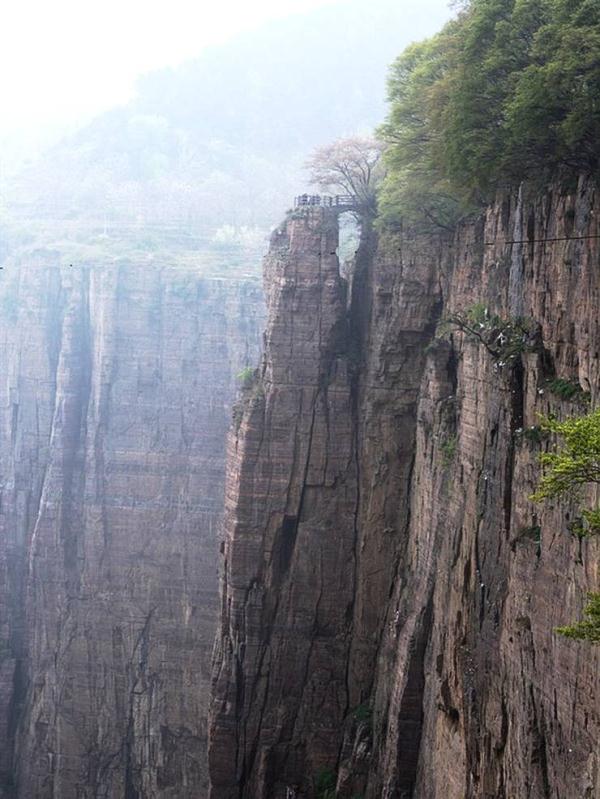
[
  {"x": 567, "y": 470},
  {"x": 504, "y": 339},
  {"x": 533, "y": 434},
  {"x": 578, "y": 462},
  {"x": 573, "y": 465},
  {"x": 448, "y": 449},
  {"x": 568, "y": 390},
  {"x": 246, "y": 376},
  {"x": 589, "y": 628},
  {"x": 325, "y": 784},
  {"x": 363, "y": 714}
]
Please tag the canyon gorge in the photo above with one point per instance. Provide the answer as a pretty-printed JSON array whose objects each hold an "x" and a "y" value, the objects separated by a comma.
[
  {"x": 390, "y": 591},
  {"x": 295, "y": 535},
  {"x": 116, "y": 393}
]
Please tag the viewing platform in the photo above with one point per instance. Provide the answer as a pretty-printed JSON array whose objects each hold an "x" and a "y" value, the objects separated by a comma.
[{"x": 339, "y": 202}]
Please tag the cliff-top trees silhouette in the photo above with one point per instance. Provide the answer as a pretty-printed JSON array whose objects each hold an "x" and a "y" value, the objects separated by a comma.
[{"x": 507, "y": 91}]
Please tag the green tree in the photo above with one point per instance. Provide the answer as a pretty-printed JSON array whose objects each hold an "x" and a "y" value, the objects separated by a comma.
[
  {"x": 247, "y": 376},
  {"x": 496, "y": 42},
  {"x": 504, "y": 339},
  {"x": 573, "y": 465},
  {"x": 416, "y": 183},
  {"x": 508, "y": 91},
  {"x": 589, "y": 628},
  {"x": 553, "y": 116}
]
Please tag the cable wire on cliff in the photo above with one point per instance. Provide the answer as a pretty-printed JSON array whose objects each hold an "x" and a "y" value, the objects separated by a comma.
[{"x": 538, "y": 241}]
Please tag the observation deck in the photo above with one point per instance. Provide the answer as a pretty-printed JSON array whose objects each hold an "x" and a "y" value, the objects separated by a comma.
[{"x": 338, "y": 202}]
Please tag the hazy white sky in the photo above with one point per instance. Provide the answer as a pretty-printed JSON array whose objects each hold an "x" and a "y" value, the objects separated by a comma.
[{"x": 63, "y": 60}]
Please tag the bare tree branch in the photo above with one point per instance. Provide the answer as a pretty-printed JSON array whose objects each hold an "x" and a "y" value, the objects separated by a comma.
[{"x": 352, "y": 166}]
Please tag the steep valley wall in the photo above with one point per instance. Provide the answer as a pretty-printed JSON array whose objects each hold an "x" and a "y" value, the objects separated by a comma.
[
  {"x": 389, "y": 589},
  {"x": 116, "y": 386}
]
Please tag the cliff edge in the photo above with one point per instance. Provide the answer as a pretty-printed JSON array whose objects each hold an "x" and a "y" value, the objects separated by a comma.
[{"x": 390, "y": 592}]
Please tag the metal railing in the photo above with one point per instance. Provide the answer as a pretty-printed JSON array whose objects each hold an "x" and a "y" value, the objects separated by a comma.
[{"x": 325, "y": 201}]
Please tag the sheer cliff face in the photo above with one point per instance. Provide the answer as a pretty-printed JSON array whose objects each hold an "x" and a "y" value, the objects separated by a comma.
[
  {"x": 390, "y": 592},
  {"x": 288, "y": 580},
  {"x": 115, "y": 397}
]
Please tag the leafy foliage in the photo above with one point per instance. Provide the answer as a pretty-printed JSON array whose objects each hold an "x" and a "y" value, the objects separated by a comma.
[
  {"x": 246, "y": 376},
  {"x": 589, "y": 628},
  {"x": 448, "y": 448},
  {"x": 363, "y": 713},
  {"x": 509, "y": 90},
  {"x": 417, "y": 184},
  {"x": 578, "y": 462},
  {"x": 586, "y": 524},
  {"x": 568, "y": 390},
  {"x": 504, "y": 339},
  {"x": 325, "y": 782}
]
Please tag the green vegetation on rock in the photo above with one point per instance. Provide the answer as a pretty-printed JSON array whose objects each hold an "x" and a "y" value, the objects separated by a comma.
[
  {"x": 325, "y": 782},
  {"x": 363, "y": 714},
  {"x": 246, "y": 376},
  {"x": 534, "y": 434},
  {"x": 504, "y": 339},
  {"x": 510, "y": 90},
  {"x": 568, "y": 390},
  {"x": 589, "y": 628},
  {"x": 575, "y": 464},
  {"x": 571, "y": 466},
  {"x": 448, "y": 448}
]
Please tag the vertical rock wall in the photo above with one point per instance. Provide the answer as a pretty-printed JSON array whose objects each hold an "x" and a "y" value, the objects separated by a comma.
[
  {"x": 413, "y": 561},
  {"x": 115, "y": 393},
  {"x": 281, "y": 689},
  {"x": 507, "y": 708}
]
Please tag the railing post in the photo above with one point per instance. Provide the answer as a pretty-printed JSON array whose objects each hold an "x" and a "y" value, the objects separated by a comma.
[{"x": 325, "y": 200}]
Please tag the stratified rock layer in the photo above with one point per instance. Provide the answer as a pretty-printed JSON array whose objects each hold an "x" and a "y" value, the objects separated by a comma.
[
  {"x": 288, "y": 574},
  {"x": 389, "y": 590},
  {"x": 115, "y": 395}
]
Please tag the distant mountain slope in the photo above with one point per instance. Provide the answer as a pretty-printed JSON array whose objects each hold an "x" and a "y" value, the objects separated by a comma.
[{"x": 220, "y": 140}]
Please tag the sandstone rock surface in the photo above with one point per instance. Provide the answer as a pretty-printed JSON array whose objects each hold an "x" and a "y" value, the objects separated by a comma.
[
  {"x": 389, "y": 590},
  {"x": 116, "y": 386}
]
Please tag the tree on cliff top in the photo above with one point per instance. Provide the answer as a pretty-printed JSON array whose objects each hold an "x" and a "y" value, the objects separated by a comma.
[
  {"x": 507, "y": 91},
  {"x": 351, "y": 166}
]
